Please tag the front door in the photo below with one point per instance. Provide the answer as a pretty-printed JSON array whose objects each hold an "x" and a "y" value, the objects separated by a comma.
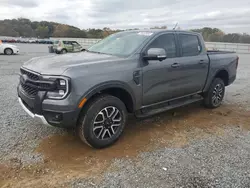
[{"x": 159, "y": 76}]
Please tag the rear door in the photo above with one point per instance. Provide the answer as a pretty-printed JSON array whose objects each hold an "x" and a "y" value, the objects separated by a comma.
[
  {"x": 193, "y": 64},
  {"x": 68, "y": 45}
]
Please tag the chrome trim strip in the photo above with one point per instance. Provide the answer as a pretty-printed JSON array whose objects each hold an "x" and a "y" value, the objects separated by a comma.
[{"x": 34, "y": 116}]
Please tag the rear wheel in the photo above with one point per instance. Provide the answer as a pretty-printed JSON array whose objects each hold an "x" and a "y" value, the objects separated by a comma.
[
  {"x": 102, "y": 122},
  {"x": 8, "y": 51},
  {"x": 214, "y": 97},
  {"x": 64, "y": 51}
]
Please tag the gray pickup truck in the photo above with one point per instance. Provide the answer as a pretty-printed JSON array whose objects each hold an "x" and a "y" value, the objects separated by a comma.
[{"x": 143, "y": 72}]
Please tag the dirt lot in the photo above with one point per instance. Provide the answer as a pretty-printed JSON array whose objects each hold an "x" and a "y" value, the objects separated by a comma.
[{"x": 186, "y": 147}]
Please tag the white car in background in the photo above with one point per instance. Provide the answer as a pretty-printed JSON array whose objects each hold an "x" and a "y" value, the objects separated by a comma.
[{"x": 8, "y": 49}]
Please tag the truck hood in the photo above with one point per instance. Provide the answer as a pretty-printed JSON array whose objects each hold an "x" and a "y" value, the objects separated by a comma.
[{"x": 58, "y": 64}]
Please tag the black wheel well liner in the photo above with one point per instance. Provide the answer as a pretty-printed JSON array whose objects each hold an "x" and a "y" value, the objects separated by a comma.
[{"x": 223, "y": 74}]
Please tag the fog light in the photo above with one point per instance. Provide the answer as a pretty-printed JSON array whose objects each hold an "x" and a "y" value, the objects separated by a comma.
[
  {"x": 61, "y": 92},
  {"x": 53, "y": 117},
  {"x": 57, "y": 117}
]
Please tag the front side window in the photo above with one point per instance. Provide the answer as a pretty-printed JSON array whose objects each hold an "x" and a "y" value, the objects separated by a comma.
[
  {"x": 167, "y": 42},
  {"x": 190, "y": 45}
]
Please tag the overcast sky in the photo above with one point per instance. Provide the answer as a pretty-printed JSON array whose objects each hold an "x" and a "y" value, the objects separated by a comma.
[{"x": 229, "y": 15}]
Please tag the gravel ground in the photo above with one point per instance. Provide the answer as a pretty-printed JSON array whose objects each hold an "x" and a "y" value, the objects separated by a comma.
[
  {"x": 17, "y": 130},
  {"x": 214, "y": 162},
  {"x": 164, "y": 151}
]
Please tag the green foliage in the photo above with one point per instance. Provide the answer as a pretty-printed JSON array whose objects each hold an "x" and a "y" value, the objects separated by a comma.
[
  {"x": 216, "y": 35},
  {"x": 42, "y": 31},
  {"x": 25, "y": 28}
]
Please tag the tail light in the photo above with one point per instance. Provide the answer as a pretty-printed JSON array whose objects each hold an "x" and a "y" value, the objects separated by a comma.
[{"x": 237, "y": 62}]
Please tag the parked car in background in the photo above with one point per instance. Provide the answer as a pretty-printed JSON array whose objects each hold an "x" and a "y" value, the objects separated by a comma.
[
  {"x": 32, "y": 40},
  {"x": 8, "y": 49},
  {"x": 11, "y": 40},
  {"x": 62, "y": 46}
]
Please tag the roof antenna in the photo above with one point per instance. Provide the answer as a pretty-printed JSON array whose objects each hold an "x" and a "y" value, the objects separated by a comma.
[{"x": 175, "y": 25}]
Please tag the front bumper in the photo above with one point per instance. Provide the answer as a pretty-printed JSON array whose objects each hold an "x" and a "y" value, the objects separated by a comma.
[
  {"x": 40, "y": 118},
  {"x": 16, "y": 51},
  {"x": 58, "y": 113}
]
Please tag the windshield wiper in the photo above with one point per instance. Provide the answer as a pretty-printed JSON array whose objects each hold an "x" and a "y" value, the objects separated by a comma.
[
  {"x": 91, "y": 51},
  {"x": 96, "y": 52}
]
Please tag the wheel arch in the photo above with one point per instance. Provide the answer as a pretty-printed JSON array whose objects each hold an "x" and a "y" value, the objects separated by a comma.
[
  {"x": 222, "y": 74},
  {"x": 8, "y": 48},
  {"x": 115, "y": 88}
]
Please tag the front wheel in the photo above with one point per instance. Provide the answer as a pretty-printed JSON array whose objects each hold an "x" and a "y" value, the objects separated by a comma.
[
  {"x": 214, "y": 97},
  {"x": 102, "y": 122},
  {"x": 8, "y": 51}
]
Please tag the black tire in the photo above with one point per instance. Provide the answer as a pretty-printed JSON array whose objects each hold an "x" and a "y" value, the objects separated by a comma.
[
  {"x": 64, "y": 51},
  {"x": 8, "y": 51},
  {"x": 94, "y": 129},
  {"x": 214, "y": 97}
]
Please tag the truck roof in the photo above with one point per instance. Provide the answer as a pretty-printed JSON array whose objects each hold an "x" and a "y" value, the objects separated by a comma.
[{"x": 155, "y": 31}]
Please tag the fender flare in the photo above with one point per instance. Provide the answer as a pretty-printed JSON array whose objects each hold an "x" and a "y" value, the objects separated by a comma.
[
  {"x": 209, "y": 81},
  {"x": 107, "y": 85}
]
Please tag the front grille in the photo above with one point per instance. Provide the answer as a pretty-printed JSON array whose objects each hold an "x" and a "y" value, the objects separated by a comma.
[
  {"x": 31, "y": 91},
  {"x": 27, "y": 89},
  {"x": 31, "y": 75}
]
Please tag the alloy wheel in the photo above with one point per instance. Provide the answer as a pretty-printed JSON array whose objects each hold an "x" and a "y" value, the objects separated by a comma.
[
  {"x": 107, "y": 123},
  {"x": 217, "y": 95}
]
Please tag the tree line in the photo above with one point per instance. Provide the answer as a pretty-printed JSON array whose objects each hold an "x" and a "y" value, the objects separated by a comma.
[{"x": 23, "y": 27}]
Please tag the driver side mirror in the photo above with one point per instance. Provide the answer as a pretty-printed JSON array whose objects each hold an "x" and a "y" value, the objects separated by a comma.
[{"x": 156, "y": 54}]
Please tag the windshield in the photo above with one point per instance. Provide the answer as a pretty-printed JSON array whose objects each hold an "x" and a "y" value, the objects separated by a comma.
[
  {"x": 56, "y": 42},
  {"x": 120, "y": 44}
]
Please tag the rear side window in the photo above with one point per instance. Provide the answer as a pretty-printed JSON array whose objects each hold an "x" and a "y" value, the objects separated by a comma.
[
  {"x": 190, "y": 45},
  {"x": 166, "y": 41},
  {"x": 66, "y": 42}
]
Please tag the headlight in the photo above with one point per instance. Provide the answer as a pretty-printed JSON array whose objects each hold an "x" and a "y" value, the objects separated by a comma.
[{"x": 61, "y": 90}]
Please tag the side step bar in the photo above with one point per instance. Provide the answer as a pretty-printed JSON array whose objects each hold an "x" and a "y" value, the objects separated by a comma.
[{"x": 149, "y": 111}]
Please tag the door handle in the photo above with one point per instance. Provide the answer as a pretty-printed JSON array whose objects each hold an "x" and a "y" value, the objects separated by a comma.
[{"x": 175, "y": 65}]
